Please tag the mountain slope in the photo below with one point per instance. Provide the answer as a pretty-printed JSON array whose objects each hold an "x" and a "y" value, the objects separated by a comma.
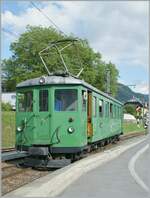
[{"x": 125, "y": 93}]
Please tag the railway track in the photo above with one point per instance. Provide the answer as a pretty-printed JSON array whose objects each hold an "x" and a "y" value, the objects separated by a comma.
[
  {"x": 10, "y": 171},
  {"x": 14, "y": 177},
  {"x": 4, "y": 150}
]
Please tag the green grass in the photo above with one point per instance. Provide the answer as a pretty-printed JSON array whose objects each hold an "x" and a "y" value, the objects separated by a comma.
[
  {"x": 8, "y": 129},
  {"x": 132, "y": 127}
]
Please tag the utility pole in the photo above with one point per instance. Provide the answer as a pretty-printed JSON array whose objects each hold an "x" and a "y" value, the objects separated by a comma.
[
  {"x": 132, "y": 85},
  {"x": 108, "y": 81}
]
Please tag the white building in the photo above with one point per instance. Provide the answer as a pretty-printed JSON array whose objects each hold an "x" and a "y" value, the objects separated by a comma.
[
  {"x": 129, "y": 118},
  {"x": 9, "y": 97}
]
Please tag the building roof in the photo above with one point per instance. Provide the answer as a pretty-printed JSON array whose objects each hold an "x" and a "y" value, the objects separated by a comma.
[
  {"x": 62, "y": 79},
  {"x": 134, "y": 102}
]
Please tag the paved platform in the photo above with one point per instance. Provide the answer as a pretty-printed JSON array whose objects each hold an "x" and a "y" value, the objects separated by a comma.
[
  {"x": 113, "y": 179},
  {"x": 54, "y": 184}
]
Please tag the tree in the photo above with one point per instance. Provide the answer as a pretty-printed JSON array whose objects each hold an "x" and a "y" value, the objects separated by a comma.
[
  {"x": 130, "y": 109},
  {"x": 25, "y": 62}
]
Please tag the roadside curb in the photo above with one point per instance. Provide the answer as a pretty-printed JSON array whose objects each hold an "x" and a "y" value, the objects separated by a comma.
[{"x": 54, "y": 184}]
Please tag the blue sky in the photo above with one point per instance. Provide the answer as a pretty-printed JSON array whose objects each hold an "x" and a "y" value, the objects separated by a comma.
[{"x": 118, "y": 30}]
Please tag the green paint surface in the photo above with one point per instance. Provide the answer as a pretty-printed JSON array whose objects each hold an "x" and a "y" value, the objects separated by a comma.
[
  {"x": 105, "y": 126},
  {"x": 51, "y": 127}
]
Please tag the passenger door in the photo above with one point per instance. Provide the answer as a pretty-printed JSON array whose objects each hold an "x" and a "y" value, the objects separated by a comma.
[
  {"x": 89, "y": 115},
  {"x": 42, "y": 117},
  {"x": 25, "y": 117}
]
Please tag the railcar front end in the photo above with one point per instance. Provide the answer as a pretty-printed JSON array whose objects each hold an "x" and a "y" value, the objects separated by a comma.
[{"x": 49, "y": 121}]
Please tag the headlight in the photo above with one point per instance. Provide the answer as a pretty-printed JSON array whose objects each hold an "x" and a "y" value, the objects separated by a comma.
[
  {"x": 19, "y": 128},
  {"x": 42, "y": 80},
  {"x": 71, "y": 130}
]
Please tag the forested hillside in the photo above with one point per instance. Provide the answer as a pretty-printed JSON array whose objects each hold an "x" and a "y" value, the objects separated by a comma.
[{"x": 124, "y": 94}]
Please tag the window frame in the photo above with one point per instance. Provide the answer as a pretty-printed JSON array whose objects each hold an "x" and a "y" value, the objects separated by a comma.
[
  {"x": 111, "y": 109},
  {"x": 84, "y": 105},
  {"x": 66, "y": 88},
  {"x": 45, "y": 89},
  {"x": 106, "y": 109},
  {"x": 101, "y": 114},
  {"x": 24, "y": 92}
]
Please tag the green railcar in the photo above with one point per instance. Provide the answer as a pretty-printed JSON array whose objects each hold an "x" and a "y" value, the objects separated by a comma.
[{"x": 60, "y": 115}]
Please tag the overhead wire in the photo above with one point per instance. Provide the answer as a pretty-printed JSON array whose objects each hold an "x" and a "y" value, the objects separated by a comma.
[
  {"x": 10, "y": 32},
  {"x": 47, "y": 17}
]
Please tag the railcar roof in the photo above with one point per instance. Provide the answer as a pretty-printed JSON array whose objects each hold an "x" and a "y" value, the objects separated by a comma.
[{"x": 53, "y": 80}]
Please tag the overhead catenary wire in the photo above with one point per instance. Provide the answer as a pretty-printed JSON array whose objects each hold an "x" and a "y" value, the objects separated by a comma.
[
  {"x": 52, "y": 22},
  {"x": 59, "y": 51},
  {"x": 10, "y": 32},
  {"x": 48, "y": 18}
]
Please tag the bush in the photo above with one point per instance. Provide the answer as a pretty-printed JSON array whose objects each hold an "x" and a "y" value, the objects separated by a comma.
[
  {"x": 6, "y": 106},
  {"x": 130, "y": 109}
]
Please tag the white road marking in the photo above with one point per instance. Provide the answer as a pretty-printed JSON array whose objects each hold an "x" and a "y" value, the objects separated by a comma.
[{"x": 131, "y": 167}]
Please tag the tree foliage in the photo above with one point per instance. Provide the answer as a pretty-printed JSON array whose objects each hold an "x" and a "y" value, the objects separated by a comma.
[
  {"x": 25, "y": 62},
  {"x": 6, "y": 106},
  {"x": 130, "y": 109}
]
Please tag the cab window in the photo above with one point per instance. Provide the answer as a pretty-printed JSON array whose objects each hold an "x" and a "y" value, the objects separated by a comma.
[
  {"x": 25, "y": 101},
  {"x": 43, "y": 100},
  {"x": 65, "y": 100}
]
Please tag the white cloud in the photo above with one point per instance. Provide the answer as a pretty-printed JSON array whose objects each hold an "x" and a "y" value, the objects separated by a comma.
[
  {"x": 138, "y": 86},
  {"x": 142, "y": 88},
  {"x": 119, "y": 30}
]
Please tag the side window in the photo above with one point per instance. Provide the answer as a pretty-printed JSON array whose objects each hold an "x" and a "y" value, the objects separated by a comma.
[
  {"x": 111, "y": 110},
  {"x": 43, "y": 100},
  {"x": 25, "y": 101},
  {"x": 106, "y": 109},
  {"x": 100, "y": 108},
  {"x": 84, "y": 99},
  {"x": 94, "y": 106}
]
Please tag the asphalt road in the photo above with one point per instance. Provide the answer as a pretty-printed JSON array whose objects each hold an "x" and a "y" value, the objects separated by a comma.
[{"x": 114, "y": 179}]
